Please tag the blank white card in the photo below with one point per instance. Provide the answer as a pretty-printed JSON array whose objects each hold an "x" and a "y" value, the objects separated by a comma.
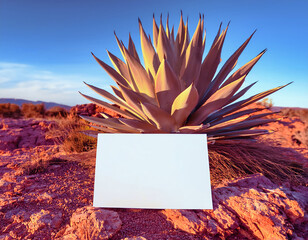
[{"x": 161, "y": 171}]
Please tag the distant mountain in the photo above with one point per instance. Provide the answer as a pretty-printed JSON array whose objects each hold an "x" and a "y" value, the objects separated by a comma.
[{"x": 19, "y": 102}]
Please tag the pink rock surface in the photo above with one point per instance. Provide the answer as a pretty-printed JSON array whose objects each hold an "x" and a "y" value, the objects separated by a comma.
[
  {"x": 23, "y": 133},
  {"x": 93, "y": 223},
  {"x": 254, "y": 206},
  {"x": 44, "y": 219},
  {"x": 92, "y": 110}
]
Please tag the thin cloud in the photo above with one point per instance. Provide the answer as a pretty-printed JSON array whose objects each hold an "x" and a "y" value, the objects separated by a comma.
[{"x": 32, "y": 83}]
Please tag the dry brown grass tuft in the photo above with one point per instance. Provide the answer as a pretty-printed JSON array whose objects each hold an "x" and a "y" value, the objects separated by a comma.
[
  {"x": 236, "y": 159},
  {"x": 38, "y": 164},
  {"x": 69, "y": 133}
]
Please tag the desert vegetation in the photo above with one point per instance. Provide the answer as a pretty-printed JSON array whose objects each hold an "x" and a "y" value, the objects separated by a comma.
[
  {"x": 73, "y": 135},
  {"x": 301, "y": 113},
  {"x": 29, "y": 110},
  {"x": 8, "y": 110}
]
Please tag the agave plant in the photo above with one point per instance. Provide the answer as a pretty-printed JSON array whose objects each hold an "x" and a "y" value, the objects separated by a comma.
[{"x": 176, "y": 90}]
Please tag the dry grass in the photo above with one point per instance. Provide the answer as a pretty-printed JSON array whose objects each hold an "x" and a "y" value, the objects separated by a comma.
[
  {"x": 68, "y": 132},
  {"x": 38, "y": 164},
  {"x": 236, "y": 159}
]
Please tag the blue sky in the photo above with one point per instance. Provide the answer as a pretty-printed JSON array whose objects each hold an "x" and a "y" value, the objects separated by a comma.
[{"x": 45, "y": 45}]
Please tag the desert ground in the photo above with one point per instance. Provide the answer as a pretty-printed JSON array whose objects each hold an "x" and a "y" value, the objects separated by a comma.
[{"x": 46, "y": 190}]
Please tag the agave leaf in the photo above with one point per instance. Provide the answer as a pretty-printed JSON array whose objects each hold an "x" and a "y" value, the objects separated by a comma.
[
  {"x": 235, "y": 115},
  {"x": 164, "y": 49},
  {"x": 238, "y": 105},
  {"x": 193, "y": 56},
  {"x": 259, "y": 96},
  {"x": 150, "y": 57},
  {"x": 120, "y": 66},
  {"x": 133, "y": 100},
  {"x": 210, "y": 64},
  {"x": 105, "y": 115},
  {"x": 215, "y": 102},
  {"x": 155, "y": 32},
  {"x": 132, "y": 49},
  {"x": 161, "y": 118},
  {"x": 244, "y": 70},
  {"x": 110, "y": 107},
  {"x": 106, "y": 130},
  {"x": 111, "y": 98},
  {"x": 262, "y": 115},
  {"x": 110, "y": 123},
  {"x": 172, "y": 36},
  {"x": 140, "y": 125},
  {"x": 167, "y": 85},
  {"x": 240, "y": 93},
  {"x": 180, "y": 37},
  {"x": 226, "y": 123},
  {"x": 117, "y": 92},
  {"x": 139, "y": 74},
  {"x": 112, "y": 73},
  {"x": 218, "y": 34},
  {"x": 238, "y": 134},
  {"x": 227, "y": 68},
  {"x": 183, "y": 104},
  {"x": 193, "y": 129},
  {"x": 186, "y": 41},
  {"x": 120, "y": 45},
  {"x": 167, "y": 27},
  {"x": 241, "y": 125}
]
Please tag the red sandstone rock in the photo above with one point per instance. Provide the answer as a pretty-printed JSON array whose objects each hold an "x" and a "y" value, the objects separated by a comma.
[
  {"x": 44, "y": 219},
  {"x": 92, "y": 110},
  {"x": 23, "y": 133},
  {"x": 92, "y": 223},
  {"x": 255, "y": 205}
]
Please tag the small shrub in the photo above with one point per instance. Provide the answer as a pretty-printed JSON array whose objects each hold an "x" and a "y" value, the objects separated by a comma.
[
  {"x": 266, "y": 102},
  {"x": 57, "y": 112},
  {"x": 38, "y": 164},
  {"x": 30, "y": 110},
  {"x": 70, "y": 134},
  {"x": 302, "y": 113},
  {"x": 78, "y": 142},
  {"x": 8, "y": 110}
]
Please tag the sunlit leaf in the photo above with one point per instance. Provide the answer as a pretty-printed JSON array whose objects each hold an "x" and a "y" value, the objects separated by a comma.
[
  {"x": 184, "y": 103},
  {"x": 112, "y": 73},
  {"x": 215, "y": 102},
  {"x": 150, "y": 57},
  {"x": 167, "y": 86},
  {"x": 159, "y": 117}
]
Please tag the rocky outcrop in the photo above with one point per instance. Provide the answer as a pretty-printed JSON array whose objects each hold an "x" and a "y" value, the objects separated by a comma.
[
  {"x": 92, "y": 110},
  {"x": 92, "y": 223},
  {"x": 23, "y": 133},
  {"x": 43, "y": 219},
  {"x": 253, "y": 207}
]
